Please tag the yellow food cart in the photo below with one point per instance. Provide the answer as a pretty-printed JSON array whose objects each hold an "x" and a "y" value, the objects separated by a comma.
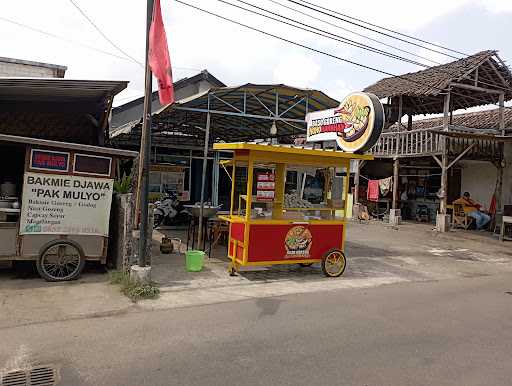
[{"x": 272, "y": 222}]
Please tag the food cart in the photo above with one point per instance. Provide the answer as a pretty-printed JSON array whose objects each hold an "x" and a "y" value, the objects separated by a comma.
[
  {"x": 270, "y": 222},
  {"x": 268, "y": 225},
  {"x": 55, "y": 203}
]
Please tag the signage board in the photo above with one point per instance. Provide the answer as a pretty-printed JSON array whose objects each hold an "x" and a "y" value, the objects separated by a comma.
[
  {"x": 265, "y": 186},
  {"x": 49, "y": 160},
  {"x": 64, "y": 204},
  {"x": 355, "y": 125}
]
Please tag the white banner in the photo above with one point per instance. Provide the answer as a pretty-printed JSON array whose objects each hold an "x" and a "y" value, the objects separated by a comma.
[
  {"x": 63, "y": 204},
  {"x": 355, "y": 125}
]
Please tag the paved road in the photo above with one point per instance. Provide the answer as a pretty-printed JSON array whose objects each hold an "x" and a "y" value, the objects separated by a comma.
[{"x": 452, "y": 332}]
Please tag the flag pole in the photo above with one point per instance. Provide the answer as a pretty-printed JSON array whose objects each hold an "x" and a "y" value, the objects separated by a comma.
[{"x": 145, "y": 148}]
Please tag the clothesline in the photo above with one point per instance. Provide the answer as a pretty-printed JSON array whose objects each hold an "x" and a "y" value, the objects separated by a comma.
[{"x": 405, "y": 175}]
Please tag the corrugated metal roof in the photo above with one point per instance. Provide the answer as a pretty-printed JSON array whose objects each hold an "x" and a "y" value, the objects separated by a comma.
[
  {"x": 55, "y": 89},
  {"x": 241, "y": 113}
]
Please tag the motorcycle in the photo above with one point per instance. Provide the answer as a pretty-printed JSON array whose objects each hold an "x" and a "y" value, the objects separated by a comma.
[{"x": 169, "y": 210}]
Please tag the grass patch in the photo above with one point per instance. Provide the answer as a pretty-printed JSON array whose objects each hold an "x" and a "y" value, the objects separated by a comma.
[{"x": 132, "y": 289}]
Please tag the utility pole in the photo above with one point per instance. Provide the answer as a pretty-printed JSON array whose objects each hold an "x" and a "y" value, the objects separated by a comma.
[{"x": 145, "y": 148}]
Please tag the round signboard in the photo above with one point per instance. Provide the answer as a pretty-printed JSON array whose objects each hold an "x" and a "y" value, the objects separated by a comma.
[{"x": 355, "y": 125}]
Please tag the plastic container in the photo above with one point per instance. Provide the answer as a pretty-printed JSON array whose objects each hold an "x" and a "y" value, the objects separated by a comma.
[{"x": 194, "y": 260}]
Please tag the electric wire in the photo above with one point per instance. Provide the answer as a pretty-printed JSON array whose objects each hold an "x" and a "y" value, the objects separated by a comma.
[
  {"x": 98, "y": 29},
  {"x": 370, "y": 29},
  {"x": 52, "y": 35},
  {"x": 352, "y": 32},
  {"x": 329, "y": 54},
  {"x": 386, "y": 29},
  {"x": 322, "y": 33},
  {"x": 350, "y": 42},
  {"x": 77, "y": 43}
]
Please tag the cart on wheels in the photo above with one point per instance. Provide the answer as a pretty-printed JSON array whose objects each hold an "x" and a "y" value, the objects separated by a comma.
[
  {"x": 271, "y": 222},
  {"x": 66, "y": 195}
]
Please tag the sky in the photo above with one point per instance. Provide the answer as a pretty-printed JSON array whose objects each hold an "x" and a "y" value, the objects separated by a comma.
[{"x": 236, "y": 55}]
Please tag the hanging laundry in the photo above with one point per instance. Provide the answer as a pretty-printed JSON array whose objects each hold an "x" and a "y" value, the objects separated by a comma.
[
  {"x": 373, "y": 190},
  {"x": 385, "y": 185},
  {"x": 492, "y": 206}
]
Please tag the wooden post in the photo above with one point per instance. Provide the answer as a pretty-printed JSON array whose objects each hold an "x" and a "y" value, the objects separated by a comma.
[
  {"x": 409, "y": 122},
  {"x": 499, "y": 190},
  {"x": 396, "y": 163},
  {"x": 356, "y": 182},
  {"x": 444, "y": 159},
  {"x": 502, "y": 112},
  {"x": 400, "y": 112}
]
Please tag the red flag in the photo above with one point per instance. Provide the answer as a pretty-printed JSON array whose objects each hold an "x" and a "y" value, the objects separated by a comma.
[{"x": 159, "y": 60}]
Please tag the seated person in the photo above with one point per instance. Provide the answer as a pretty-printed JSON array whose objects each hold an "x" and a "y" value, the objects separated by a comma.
[{"x": 472, "y": 209}]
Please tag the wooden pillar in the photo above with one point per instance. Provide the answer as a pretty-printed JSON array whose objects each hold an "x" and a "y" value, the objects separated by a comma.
[
  {"x": 356, "y": 182},
  {"x": 444, "y": 159},
  {"x": 396, "y": 163},
  {"x": 499, "y": 190},
  {"x": 280, "y": 180},
  {"x": 400, "y": 112},
  {"x": 409, "y": 122},
  {"x": 502, "y": 113}
]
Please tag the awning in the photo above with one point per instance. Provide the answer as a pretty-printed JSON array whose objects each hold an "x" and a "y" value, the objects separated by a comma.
[
  {"x": 58, "y": 89},
  {"x": 68, "y": 145},
  {"x": 242, "y": 113}
]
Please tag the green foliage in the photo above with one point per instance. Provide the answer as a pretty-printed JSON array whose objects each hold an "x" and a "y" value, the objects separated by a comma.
[
  {"x": 132, "y": 289},
  {"x": 122, "y": 186}
]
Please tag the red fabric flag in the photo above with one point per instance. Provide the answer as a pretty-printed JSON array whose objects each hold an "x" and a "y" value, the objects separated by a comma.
[{"x": 159, "y": 60}]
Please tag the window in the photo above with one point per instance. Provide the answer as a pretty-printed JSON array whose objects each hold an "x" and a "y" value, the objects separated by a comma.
[{"x": 91, "y": 164}]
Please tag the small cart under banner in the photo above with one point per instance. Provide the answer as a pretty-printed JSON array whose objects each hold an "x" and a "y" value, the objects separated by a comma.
[
  {"x": 288, "y": 206},
  {"x": 55, "y": 200}
]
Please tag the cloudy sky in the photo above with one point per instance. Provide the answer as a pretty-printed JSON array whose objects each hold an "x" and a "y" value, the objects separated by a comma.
[{"x": 235, "y": 55}]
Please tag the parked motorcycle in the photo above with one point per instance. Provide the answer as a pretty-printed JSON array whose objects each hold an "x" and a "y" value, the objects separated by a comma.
[{"x": 169, "y": 210}]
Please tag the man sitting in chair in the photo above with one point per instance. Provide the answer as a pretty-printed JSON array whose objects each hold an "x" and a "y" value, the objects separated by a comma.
[{"x": 472, "y": 209}]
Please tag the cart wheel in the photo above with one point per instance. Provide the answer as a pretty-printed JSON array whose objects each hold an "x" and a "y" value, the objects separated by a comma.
[
  {"x": 334, "y": 263},
  {"x": 60, "y": 260},
  {"x": 305, "y": 265}
]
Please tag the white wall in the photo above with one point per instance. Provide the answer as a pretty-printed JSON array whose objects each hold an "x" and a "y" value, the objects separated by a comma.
[
  {"x": 17, "y": 69},
  {"x": 479, "y": 179}
]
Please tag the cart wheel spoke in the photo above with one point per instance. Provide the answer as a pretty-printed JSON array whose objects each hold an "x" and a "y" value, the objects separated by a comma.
[
  {"x": 61, "y": 261},
  {"x": 333, "y": 263}
]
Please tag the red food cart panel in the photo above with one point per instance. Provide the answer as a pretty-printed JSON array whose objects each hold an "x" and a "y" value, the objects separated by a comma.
[
  {"x": 292, "y": 241},
  {"x": 237, "y": 233}
]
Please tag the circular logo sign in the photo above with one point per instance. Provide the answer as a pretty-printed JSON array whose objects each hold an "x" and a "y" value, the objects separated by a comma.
[
  {"x": 355, "y": 125},
  {"x": 298, "y": 242}
]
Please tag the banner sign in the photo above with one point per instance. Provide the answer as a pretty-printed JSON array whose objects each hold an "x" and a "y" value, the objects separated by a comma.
[
  {"x": 63, "y": 204},
  {"x": 49, "y": 160},
  {"x": 265, "y": 186},
  {"x": 355, "y": 125}
]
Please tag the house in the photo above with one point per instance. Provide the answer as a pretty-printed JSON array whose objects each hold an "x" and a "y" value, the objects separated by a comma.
[
  {"x": 10, "y": 67},
  {"x": 434, "y": 160},
  {"x": 130, "y": 113}
]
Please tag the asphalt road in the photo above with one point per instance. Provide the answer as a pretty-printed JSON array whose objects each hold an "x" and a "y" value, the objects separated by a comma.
[{"x": 456, "y": 332}]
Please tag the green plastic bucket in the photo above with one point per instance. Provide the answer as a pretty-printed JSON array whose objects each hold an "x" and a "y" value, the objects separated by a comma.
[{"x": 194, "y": 260}]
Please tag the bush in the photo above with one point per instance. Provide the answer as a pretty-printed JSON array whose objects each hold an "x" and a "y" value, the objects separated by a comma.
[
  {"x": 133, "y": 289},
  {"x": 122, "y": 186}
]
